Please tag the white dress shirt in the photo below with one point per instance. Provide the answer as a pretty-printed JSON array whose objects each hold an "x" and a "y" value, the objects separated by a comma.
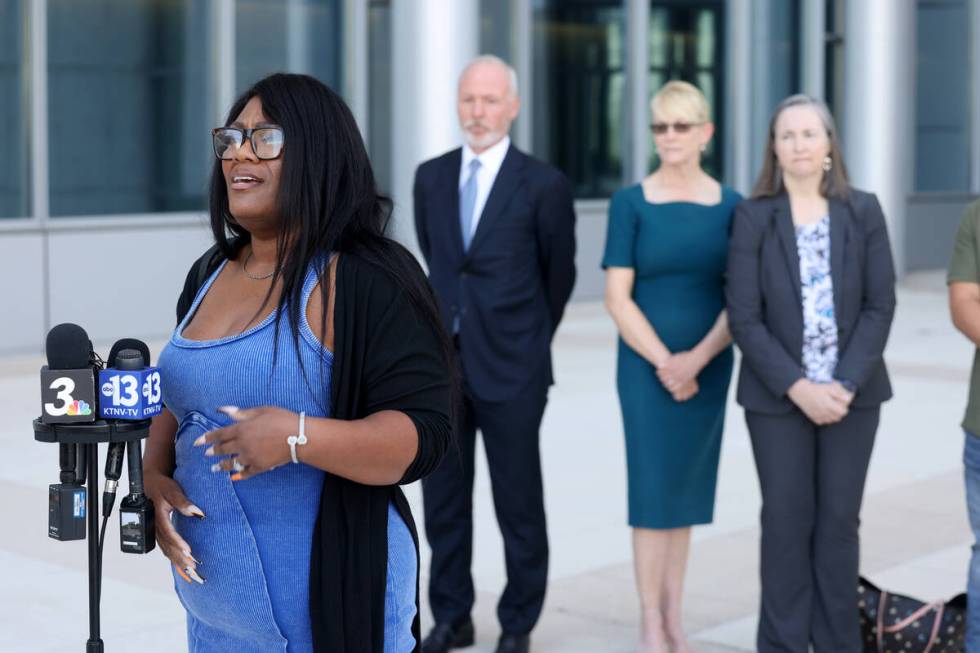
[{"x": 490, "y": 161}]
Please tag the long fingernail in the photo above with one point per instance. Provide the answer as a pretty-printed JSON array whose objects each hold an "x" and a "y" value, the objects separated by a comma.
[
  {"x": 201, "y": 439},
  {"x": 237, "y": 476},
  {"x": 209, "y": 451},
  {"x": 196, "y": 561},
  {"x": 227, "y": 410},
  {"x": 182, "y": 574},
  {"x": 195, "y": 511},
  {"x": 216, "y": 467},
  {"x": 196, "y": 576}
]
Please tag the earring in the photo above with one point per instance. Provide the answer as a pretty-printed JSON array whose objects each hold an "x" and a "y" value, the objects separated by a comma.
[
  {"x": 703, "y": 147},
  {"x": 828, "y": 163}
]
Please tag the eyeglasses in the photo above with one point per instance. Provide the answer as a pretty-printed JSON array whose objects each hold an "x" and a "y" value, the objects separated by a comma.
[
  {"x": 266, "y": 141},
  {"x": 660, "y": 128}
]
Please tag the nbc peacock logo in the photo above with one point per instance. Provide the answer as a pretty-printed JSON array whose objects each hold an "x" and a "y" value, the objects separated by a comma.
[{"x": 79, "y": 408}]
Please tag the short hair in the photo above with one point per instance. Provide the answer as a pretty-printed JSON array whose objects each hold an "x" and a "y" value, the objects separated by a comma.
[
  {"x": 493, "y": 59},
  {"x": 835, "y": 182},
  {"x": 681, "y": 99}
]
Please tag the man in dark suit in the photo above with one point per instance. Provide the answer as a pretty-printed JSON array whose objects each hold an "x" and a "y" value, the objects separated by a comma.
[{"x": 497, "y": 230}]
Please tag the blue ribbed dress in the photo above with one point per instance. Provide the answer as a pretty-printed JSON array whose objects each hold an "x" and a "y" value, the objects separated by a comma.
[{"x": 255, "y": 543}]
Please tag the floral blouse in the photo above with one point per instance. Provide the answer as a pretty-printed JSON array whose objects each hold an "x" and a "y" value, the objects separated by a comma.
[{"x": 819, "y": 322}]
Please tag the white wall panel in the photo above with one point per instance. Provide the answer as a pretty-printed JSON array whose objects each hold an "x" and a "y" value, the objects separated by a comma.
[
  {"x": 121, "y": 283},
  {"x": 22, "y": 284}
]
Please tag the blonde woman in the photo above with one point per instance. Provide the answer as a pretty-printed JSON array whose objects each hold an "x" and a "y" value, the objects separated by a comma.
[{"x": 665, "y": 262}]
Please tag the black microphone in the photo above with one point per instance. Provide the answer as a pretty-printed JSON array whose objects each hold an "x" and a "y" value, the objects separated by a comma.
[
  {"x": 131, "y": 358},
  {"x": 113, "y": 470},
  {"x": 137, "y": 529},
  {"x": 68, "y": 396},
  {"x": 68, "y": 380},
  {"x": 122, "y": 357}
]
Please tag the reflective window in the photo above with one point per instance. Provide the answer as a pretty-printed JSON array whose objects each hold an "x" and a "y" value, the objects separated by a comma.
[
  {"x": 128, "y": 106},
  {"x": 295, "y": 36},
  {"x": 379, "y": 92},
  {"x": 685, "y": 42},
  {"x": 496, "y": 32},
  {"x": 776, "y": 67},
  {"x": 942, "y": 118},
  {"x": 13, "y": 147},
  {"x": 579, "y": 94}
]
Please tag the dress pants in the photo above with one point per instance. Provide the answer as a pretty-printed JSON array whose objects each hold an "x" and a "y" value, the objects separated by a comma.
[
  {"x": 510, "y": 436},
  {"x": 971, "y": 469},
  {"x": 812, "y": 479}
]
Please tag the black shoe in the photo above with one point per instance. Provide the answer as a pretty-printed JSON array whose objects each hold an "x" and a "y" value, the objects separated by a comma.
[
  {"x": 514, "y": 644},
  {"x": 444, "y": 637}
]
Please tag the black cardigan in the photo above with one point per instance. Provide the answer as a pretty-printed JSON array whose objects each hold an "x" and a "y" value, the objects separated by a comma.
[{"x": 386, "y": 357}]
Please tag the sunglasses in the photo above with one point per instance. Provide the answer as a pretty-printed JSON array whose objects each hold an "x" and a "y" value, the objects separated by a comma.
[
  {"x": 661, "y": 128},
  {"x": 266, "y": 142}
]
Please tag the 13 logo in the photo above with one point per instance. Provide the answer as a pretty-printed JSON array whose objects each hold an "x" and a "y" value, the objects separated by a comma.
[{"x": 121, "y": 389}]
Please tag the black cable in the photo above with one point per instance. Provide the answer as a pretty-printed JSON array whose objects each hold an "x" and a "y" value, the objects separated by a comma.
[{"x": 98, "y": 575}]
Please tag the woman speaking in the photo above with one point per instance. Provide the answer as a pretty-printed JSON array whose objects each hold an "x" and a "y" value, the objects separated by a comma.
[{"x": 308, "y": 377}]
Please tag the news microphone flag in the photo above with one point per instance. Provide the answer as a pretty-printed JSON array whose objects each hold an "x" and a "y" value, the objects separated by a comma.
[
  {"x": 130, "y": 394},
  {"x": 67, "y": 396}
]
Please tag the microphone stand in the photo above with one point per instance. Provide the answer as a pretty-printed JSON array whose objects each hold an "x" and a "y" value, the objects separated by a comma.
[
  {"x": 91, "y": 434},
  {"x": 94, "y": 644}
]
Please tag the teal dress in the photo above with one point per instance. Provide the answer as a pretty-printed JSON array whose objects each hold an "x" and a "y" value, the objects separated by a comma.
[{"x": 678, "y": 251}]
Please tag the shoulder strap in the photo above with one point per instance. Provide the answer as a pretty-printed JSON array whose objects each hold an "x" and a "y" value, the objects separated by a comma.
[
  {"x": 206, "y": 265},
  {"x": 196, "y": 276}
]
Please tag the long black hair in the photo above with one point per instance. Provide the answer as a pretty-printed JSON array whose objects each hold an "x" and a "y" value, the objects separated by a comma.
[{"x": 328, "y": 200}]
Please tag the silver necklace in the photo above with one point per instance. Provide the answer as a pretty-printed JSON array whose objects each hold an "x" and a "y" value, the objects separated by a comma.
[{"x": 247, "y": 274}]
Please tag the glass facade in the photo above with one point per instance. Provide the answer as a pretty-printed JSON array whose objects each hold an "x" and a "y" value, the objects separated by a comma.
[
  {"x": 942, "y": 111},
  {"x": 133, "y": 87},
  {"x": 685, "y": 41},
  {"x": 776, "y": 60},
  {"x": 297, "y": 36},
  {"x": 379, "y": 92},
  {"x": 128, "y": 109},
  {"x": 13, "y": 147},
  {"x": 580, "y": 91},
  {"x": 497, "y": 29}
]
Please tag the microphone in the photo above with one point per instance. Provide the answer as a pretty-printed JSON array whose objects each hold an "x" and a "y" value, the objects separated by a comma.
[
  {"x": 68, "y": 380},
  {"x": 67, "y": 397},
  {"x": 137, "y": 529},
  {"x": 129, "y": 389},
  {"x": 113, "y": 470}
]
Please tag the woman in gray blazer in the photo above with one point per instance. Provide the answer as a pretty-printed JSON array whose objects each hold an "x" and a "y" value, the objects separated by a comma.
[{"x": 810, "y": 296}]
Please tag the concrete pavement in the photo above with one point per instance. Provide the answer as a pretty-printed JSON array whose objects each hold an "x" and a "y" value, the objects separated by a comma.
[{"x": 915, "y": 535}]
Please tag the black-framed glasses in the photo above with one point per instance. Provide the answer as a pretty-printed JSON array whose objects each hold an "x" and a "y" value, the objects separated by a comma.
[
  {"x": 266, "y": 141},
  {"x": 660, "y": 128}
]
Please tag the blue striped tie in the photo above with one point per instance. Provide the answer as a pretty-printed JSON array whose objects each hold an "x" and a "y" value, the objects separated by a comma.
[{"x": 467, "y": 204}]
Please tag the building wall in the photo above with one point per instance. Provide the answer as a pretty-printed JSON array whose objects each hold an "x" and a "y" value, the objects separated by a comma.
[{"x": 103, "y": 181}]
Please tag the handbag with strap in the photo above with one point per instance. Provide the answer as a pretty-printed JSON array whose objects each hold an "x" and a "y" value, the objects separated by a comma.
[{"x": 894, "y": 623}]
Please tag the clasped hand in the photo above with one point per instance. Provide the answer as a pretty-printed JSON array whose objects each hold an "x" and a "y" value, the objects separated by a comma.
[
  {"x": 254, "y": 443},
  {"x": 822, "y": 403},
  {"x": 678, "y": 374}
]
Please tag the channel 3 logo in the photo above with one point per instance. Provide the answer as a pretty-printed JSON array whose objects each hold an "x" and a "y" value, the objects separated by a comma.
[{"x": 66, "y": 405}]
